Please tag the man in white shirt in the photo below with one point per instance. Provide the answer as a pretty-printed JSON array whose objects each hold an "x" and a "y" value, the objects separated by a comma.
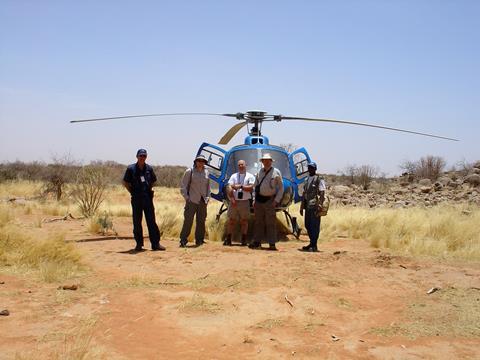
[
  {"x": 240, "y": 188},
  {"x": 312, "y": 202}
]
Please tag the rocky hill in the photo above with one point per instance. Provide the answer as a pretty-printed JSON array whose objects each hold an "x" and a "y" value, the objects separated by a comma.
[{"x": 407, "y": 191}]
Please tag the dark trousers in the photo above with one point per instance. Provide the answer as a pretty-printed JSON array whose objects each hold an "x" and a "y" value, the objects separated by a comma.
[
  {"x": 265, "y": 222},
  {"x": 200, "y": 212},
  {"x": 144, "y": 204},
  {"x": 312, "y": 224}
]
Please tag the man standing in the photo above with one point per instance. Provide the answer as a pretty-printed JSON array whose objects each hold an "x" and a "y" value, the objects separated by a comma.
[
  {"x": 312, "y": 202},
  {"x": 268, "y": 195},
  {"x": 240, "y": 188},
  {"x": 139, "y": 179},
  {"x": 195, "y": 189}
]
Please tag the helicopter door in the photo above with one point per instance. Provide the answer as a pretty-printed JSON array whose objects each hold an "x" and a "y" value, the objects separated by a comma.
[
  {"x": 215, "y": 164},
  {"x": 299, "y": 160}
]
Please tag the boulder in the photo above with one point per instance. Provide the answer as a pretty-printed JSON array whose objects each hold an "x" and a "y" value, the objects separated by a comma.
[
  {"x": 425, "y": 182},
  {"x": 426, "y": 189},
  {"x": 473, "y": 179},
  {"x": 476, "y": 165},
  {"x": 340, "y": 190},
  {"x": 444, "y": 180}
]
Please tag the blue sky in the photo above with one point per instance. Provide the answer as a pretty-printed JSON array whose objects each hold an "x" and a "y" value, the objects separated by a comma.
[{"x": 407, "y": 64}]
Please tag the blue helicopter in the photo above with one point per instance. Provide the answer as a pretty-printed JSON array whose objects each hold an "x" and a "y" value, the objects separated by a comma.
[{"x": 293, "y": 165}]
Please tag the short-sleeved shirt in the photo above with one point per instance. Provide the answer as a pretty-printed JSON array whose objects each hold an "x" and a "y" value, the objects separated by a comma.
[
  {"x": 246, "y": 179},
  {"x": 272, "y": 185},
  {"x": 141, "y": 180}
]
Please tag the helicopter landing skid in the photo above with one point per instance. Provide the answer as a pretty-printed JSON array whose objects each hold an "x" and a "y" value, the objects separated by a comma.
[
  {"x": 223, "y": 208},
  {"x": 292, "y": 221}
]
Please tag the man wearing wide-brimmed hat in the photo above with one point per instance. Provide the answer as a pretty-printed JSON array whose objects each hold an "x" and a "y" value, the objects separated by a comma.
[
  {"x": 268, "y": 194},
  {"x": 195, "y": 189}
]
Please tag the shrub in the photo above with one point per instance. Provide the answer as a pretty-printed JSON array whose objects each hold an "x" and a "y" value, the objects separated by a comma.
[
  {"x": 428, "y": 167},
  {"x": 89, "y": 189}
]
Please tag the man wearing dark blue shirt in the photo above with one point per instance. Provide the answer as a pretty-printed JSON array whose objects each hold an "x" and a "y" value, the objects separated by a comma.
[{"x": 139, "y": 180}]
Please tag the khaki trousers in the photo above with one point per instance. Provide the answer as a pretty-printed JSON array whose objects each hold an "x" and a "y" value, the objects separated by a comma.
[
  {"x": 192, "y": 209},
  {"x": 265, "y": 222}
]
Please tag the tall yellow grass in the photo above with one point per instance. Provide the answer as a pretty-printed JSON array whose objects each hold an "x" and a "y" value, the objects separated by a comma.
[
  {"x": 50, "y": 258},
  {"x": 444, "y": 231}
]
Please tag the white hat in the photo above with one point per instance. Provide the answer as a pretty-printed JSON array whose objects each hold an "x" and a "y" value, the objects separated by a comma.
[{"x": 266, "y": 156}]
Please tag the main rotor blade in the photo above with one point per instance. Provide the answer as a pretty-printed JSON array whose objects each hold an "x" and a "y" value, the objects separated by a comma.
[
  {"x": 148, "y": 115},
  {"x": 230, "y": 133},
  {"x": 365, "y": 124}
]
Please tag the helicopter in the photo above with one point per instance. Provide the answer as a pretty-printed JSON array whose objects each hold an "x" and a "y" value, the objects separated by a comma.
[{"x": 293, "y": 165}]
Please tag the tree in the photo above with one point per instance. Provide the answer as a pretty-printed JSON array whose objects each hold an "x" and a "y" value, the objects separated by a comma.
[{"x": 57, "y": 174}]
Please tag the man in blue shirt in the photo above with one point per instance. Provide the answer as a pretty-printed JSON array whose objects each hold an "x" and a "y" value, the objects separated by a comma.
[{"x": 139, "y": 180}]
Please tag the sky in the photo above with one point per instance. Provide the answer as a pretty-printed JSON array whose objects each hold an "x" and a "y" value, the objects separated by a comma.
[{"x": 410, "y": 64}]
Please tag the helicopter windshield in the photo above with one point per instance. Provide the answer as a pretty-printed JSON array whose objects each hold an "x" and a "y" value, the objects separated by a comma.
[{"x": 252, "y": 156}]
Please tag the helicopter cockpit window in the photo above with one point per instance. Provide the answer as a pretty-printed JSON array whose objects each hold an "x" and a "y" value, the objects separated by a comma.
[
  {"x": 300, "y": 163},
  {"x": 214, "y": 161},
  {"x": 252, "y": 158}
]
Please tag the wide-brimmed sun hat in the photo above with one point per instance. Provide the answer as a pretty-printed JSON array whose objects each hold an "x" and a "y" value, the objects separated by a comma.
[
  {"x": 266, "y": 156},
  {"x": 201, "y": 158}
]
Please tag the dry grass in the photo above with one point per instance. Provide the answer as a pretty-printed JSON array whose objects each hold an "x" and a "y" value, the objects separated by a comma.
[
  {"x": 21, "y": 189},
  {"x": 198, "y": 303},
  {"x": 450, "y": 312},
  {"x": 51, "y": 258},
  {"x": 443, "y": 231}
]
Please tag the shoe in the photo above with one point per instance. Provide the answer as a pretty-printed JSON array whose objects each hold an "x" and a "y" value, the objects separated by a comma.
[
  {"x": 254, "y": 245},
  {"x": 313, "y": 249},
  {"x": 272, "y": 247},
  {"x": 199, "y": 243},
  {"x": 183, "y": 244},
  {"x": 228, "y": 241},
  {"x": 244, "y": 240},
  {"x": 158, "y": 248},
  {"x": 307, "y": 248},
  {"x": 138, "y": 248}
]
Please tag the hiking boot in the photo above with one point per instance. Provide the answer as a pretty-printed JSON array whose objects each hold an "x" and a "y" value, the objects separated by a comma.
[
  {"x": 272, "y": 247},
  {"x": 183, "y": 244},
  {"x": 228, "y": 241},
  {"x": 244, "y": 240},
  {"x": 138, "y": 248},
  {"x": 254, "y": 245},
  {"x": 158, "y": 247},
  {"x": 307, "y": 248}
]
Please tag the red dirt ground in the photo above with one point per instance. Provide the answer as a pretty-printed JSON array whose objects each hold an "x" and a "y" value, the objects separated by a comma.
[{"x": 347, "y": 301}]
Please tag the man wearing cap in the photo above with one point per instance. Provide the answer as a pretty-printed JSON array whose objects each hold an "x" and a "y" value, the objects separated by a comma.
[
  {"x": 139, "y": 179},
  {"x": 195, "y": 189},
  {"x": 312, "y": 202},
  {"x": 268, "y": 195},
  {"x": 240, "y": 188}
]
